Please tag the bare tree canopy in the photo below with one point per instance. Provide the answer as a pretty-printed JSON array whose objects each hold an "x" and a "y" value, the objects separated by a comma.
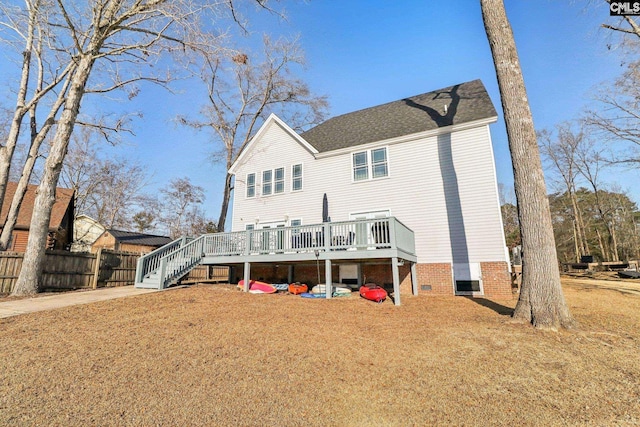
[
  {"x": 182, "y": 209},
  {"x": 108, "y": 188},
  {"x": 541, "y": 299},
  {"x": 94, "y": 47},
  {"x": 616, "y": 115},
  {"x": 243, "y": 90}
]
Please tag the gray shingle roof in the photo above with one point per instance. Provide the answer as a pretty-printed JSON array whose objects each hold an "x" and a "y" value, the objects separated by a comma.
[
  {"x": 139, "y": 238},
  {"x": 464, "y": 103}
]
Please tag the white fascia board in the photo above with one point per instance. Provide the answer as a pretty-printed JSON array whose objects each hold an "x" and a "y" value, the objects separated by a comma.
[
  {"x": 271, "y": 119},
  {"x": 411, "y": 137}
]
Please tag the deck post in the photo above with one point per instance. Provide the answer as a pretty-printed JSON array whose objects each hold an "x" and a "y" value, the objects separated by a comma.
[
  {"x": 360, "y": 283},
  {"x": 396, "y": 280},
  {"x": 328, "y": 281},
  {"x": 162, "y": 272},
  {"x": 391, "y": 223},
  {"x": 414, "y": 279},
  {"x": 326, "y": 231},
  {"x": 247, "y": 275},
  {"x": 230, "y": 274},
  {"x": 290, "y": 273}
]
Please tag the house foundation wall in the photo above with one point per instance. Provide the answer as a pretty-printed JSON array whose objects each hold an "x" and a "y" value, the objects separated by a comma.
[{"x": 433, "y": 279}]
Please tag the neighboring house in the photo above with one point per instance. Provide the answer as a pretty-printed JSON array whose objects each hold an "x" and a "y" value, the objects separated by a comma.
[
  {"x": 60, "y": 225},
  {"x": 426, "y": 160},
  {"x": 85, "y": 231},
  {"x": 129, "y": 241}
]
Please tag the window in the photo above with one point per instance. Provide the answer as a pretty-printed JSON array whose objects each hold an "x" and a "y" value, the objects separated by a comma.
[
  {"x": 251, "y": 185},
  {"x": 279, "y": 181},
  {"x": 360, "y": 166},
  {"x": 296, "y": 177},
  {"x": 379, "y": 163},
  {"x": 363, "y": 169},
  {"x": 267, "y": 182},
  {"x": 296, "y": 222},
  {"x": 249, "y": 227}
]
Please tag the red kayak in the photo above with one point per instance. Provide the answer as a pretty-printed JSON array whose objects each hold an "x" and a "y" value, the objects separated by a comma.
[
  {"x": 256, "y": 287},
  {"x": 373, "y": 292}
]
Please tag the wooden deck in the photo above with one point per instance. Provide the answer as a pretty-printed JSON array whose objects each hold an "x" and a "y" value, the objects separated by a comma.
[{"x": 350, "y": 241}]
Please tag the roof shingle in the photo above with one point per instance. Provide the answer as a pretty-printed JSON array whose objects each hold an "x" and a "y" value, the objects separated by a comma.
[{"x": 453, "y": 105}]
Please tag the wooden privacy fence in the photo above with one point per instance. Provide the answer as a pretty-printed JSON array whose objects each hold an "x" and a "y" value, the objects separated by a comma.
[{"x": 74, "y": 270}]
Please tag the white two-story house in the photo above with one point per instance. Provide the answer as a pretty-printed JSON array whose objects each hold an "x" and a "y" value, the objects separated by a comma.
[{"x": 426, "y": 161}]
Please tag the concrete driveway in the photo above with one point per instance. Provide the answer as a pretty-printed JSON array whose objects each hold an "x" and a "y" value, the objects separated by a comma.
[{"x": 65, "y": 299}]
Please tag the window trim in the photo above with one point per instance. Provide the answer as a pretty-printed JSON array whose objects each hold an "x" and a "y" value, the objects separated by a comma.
[
  {"x": 301, "y": 177},
  {"x": 369, "y": 164},
  {"x": 246, "y": 193}
]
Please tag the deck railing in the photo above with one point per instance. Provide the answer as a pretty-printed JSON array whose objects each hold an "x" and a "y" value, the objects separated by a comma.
[
  {"x": 331, "y": 236},
  {"x": 174, "y": 260},
  {"x": 151, "y": 261}
]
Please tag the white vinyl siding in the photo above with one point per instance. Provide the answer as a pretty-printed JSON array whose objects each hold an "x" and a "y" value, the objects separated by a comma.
[
  {"x": 296, "y": 177},
  {"x": 442, "y": 187}
]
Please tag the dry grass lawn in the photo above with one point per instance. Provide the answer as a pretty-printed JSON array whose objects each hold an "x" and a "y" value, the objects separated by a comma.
[{"x": 211, "y": 355}]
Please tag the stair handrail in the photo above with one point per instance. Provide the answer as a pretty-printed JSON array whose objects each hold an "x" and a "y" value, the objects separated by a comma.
[
  {"x": 150, "y": 262},
  {"x": 186, "y": 257}
]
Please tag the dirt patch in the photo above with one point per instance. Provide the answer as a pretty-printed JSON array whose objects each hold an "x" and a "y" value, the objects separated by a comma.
[{"x": 211, "y": 355}]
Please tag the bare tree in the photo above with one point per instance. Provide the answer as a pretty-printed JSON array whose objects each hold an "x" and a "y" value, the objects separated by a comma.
[
  {"x": 114, "y": 43},
  {"x": 541, "y": 299},
  {"x": 561, "y": 151},
  {"x": 242, "y": 94},
  {"x": 31, "y": 35},
  {"x": 108, "y": 188},
  {"x": 626, "y": 25},
  {"x": 181, "y": 208},
  {"x": 617, "y": 117},
  {"x": 590, "y": 162}
]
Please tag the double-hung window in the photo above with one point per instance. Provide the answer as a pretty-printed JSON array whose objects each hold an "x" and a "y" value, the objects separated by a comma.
[
  {"x": 251, "y": 185},
  {"x": 267, "y": 182},
  {"x": 370, "y": 164},
  {"x": 279, "y": 181},
  {"x": 361, "y": 166},
  {"x": 296, "y": 177},
  {"x": 379, "y": 167}
]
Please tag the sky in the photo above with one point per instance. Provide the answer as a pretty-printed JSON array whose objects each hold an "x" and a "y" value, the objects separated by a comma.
[{"x": 365, "y": 53}]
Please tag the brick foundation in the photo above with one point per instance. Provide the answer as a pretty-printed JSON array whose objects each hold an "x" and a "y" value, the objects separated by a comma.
[
  {"x": 433, "y": 279},
  {"x": 496, "y": 280}
]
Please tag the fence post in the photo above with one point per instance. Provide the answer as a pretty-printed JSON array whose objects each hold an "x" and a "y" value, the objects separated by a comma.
[{"x": 96, "y": 270}]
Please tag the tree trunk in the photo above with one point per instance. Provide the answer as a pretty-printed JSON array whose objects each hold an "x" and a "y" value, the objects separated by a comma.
[
  {"x": 575, "y": 241},
  {"x": 541, "y": 299},
  {"x": 225, "y": 203},
  {"x": 579, "y": 234},
  {"x": 29, "y": 280},
  {"x": 7, "y": 150},
  {"x": 36, "y": 141}
]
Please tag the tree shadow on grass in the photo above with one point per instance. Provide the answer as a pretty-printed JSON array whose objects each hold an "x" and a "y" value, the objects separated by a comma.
[{"x": 502, "y": 310}]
